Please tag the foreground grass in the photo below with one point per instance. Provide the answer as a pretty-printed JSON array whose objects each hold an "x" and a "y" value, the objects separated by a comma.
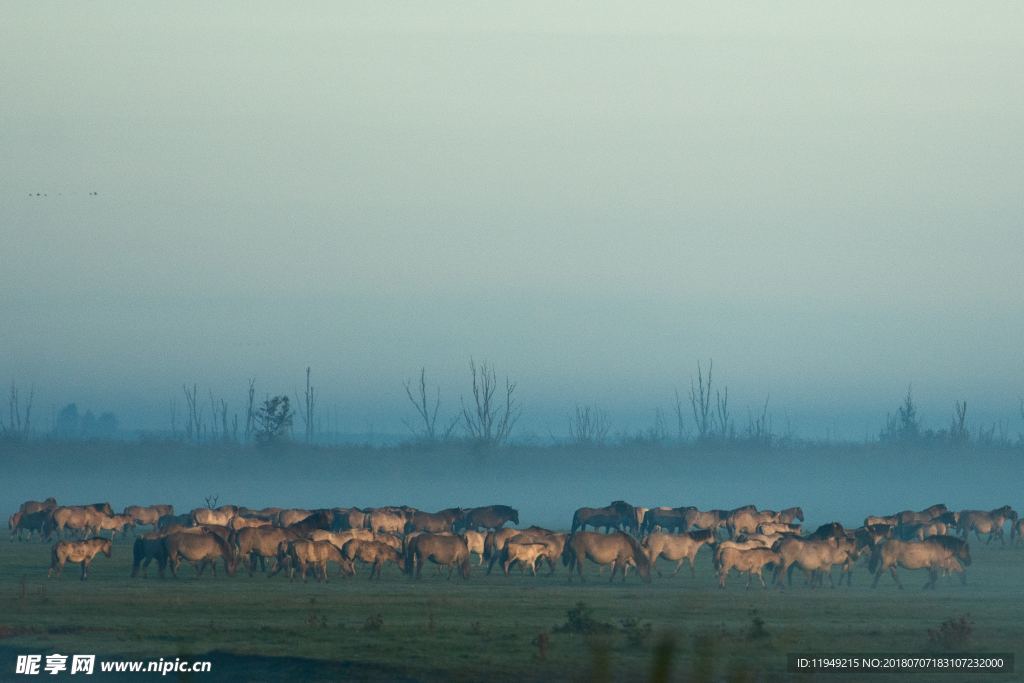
[{"x": 492, "y": 627}]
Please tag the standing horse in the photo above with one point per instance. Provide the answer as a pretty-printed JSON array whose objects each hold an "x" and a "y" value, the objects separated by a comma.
[
  {"x": 78, "y": 551},
  {"x": 933, "y": 554},
  {"x": 617, "y": 549},
  {"x": 678, "y": 549},
  {"x": 990, "y": 523}
]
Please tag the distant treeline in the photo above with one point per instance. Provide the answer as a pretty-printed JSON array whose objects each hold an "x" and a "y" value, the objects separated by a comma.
[{"x": 486, "y": 417}]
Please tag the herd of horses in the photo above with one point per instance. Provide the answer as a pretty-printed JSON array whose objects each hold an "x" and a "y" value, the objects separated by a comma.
[{"x": 621, "y": 537}]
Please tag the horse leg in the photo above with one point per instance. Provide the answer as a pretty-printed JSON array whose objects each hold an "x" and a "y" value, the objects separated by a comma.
[
  {"x": 764, "y": 586},
  {"x": 878, "y": 575},
  {"x": 933, "y": 576},
  {"x": 85, "y": 569},
  {"x": 895, "y": 578}
]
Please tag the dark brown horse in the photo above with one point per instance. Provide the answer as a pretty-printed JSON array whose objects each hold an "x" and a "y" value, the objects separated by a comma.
[{"x": 490, "y": 517}]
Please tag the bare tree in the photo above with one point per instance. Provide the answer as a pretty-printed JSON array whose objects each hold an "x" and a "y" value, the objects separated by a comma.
[
  {"x": 194, "y": 422},
  {"x": 19, "y": 426},
  {"x": 426, "y": 410},
  {"x": 487, "y": 420},
  {"x": 681, "y": 431},
  {"x": 726, "y": 429},
  {"x": 958, "y": 425},
  {"x": 700, "y": 401},
  {"x": 759, "y": 429},
  {"x": 250, "y": 411},
  {"x": 589, "y": 426},
  {"x": 307, "y": 409}
]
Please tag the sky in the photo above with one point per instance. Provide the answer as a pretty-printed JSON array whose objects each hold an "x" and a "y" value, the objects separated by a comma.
[{"x": 822, "y": 197}]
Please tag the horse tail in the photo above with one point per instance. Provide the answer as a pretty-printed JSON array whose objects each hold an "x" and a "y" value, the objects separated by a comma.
[
  {"x": 568, "y": 554},
  {"x": 575, "y": 522},
  {"x": 410, "y": 556},
  {"x": 876, "y": 559}
]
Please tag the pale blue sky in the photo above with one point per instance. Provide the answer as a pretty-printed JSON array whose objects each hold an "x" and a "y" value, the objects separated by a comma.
[{"x": 825, "y": 198}]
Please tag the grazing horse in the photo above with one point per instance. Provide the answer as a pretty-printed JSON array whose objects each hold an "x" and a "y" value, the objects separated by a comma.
[
  {"x": 491, "y": 517},
  {"x": 77, "y": 551},
  {"x": 374, "y": 553},
  {"x": 447, "y": 551},
  {"x": 752, "y": 562},
  {"x": 990, "y": 523},
  {"x": 669, "y": 519},
  {"x": 678, "y": 549},
  {"x": 933, "y": 554},
  {"x": 617, "y": 549},
  {"x": 873, "y": 520},
  {"x": 199, "y": 547}
]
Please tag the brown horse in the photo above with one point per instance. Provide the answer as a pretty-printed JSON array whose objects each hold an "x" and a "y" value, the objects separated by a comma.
[
  {"x": 446, "y": 551},
  {"x": 710, "y": 519},
  {"x": 932, "y": 554},
  {"x": 678, "y": 548},
  {"x": 610, "y": 517},
  {"x": 813, "y": 556},
  {"x": 752, "y": 562},
  {"x": 434, "y": 522},
  {"x": 31, "y": 522},
  {"x": 525, "y": 551},
  {"x": 490, "y": 517},
  {"x": 77, "y": 551},
  {"x": 475, "y": 543},
  {"x": 303, "y": 554},
  {"x": 149, "y": 515},
  {"x": 199, "y": 549},
  {"x": 494, "y": 545},
  {"x": 669, "y": 519},
  {"x": 114, "y": 524},
  {"x": 990, "y": 523},
  {"x": 1017, "y": 531},
  {"x": 616, "y": 549},
  {"x": 261, "y": 543},
  {"x": 374, "y": 553},
  {"x": 30, "y": 506},
  {"x": 81, "y": 518},
  {"x": 291, "y": 516},
  {"x": 340, "y": 538},
  {"x": 208, "y": 516}
]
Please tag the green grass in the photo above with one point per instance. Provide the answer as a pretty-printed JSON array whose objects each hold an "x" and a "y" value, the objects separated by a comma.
[{"x": 488, "y": 627}]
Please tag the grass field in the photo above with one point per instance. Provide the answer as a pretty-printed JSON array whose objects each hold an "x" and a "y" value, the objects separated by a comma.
[{"x": 492, "y": 627}]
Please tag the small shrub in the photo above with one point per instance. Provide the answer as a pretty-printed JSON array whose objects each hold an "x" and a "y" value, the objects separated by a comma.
[
  {"x": 579, "y": 619},
  {"x": 952, "y": 634},
  {"x": 757, "y": 630},
  {"x": 374, "y": 622},
  {"x": 635, "y": 631}
]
